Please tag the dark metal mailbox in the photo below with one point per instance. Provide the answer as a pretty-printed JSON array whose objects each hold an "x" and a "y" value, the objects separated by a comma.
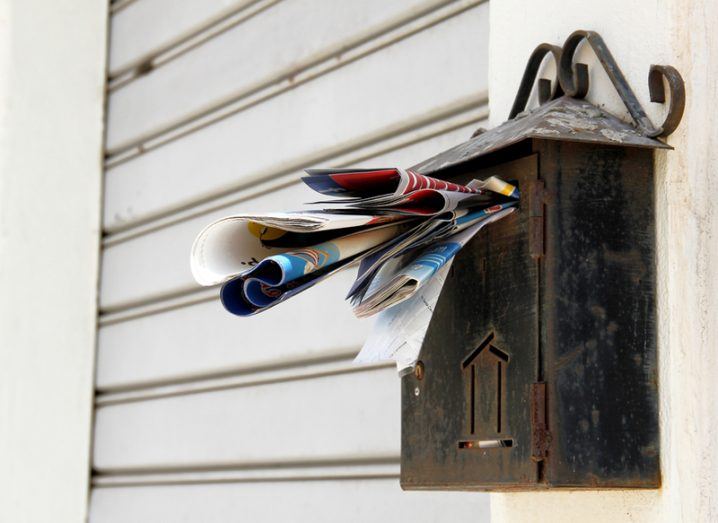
[{"x": 539, "y": 368}]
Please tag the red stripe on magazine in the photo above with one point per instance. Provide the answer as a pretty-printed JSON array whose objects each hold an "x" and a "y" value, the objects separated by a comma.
[
  {"x": 375, "y": 181},
  {"x": 419, "y": 181}
]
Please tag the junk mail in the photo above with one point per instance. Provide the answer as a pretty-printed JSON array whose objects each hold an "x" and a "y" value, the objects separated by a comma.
[{"x": 399, "y": 228}]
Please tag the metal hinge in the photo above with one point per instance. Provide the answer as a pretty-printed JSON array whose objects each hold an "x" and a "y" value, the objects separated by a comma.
[
  {"x": 536, "y": 219},
  {"x": 540, "y": 435}
]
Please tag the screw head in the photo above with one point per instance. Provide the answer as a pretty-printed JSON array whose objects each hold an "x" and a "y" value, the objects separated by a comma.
[{"x": 419, "y": 370}]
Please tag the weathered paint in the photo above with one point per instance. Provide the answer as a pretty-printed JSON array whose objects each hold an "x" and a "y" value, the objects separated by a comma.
[{"x": 565, "y": 119}]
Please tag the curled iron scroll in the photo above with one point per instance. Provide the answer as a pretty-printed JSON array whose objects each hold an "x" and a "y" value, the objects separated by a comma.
[
  {"x": 678, "y": 95},
  {"x": 574, "y": 81},
  {"x": 530, "y": 73}
]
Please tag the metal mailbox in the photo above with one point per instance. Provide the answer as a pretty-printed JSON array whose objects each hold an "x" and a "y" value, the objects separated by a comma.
[{"x": 539, "y": 368}]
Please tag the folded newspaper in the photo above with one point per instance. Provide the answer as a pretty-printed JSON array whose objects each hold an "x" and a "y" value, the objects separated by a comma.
[{"x": 400, "y": 229}]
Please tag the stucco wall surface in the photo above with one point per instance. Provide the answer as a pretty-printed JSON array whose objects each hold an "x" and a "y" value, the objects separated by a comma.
[{"x": 639, "y": 33}]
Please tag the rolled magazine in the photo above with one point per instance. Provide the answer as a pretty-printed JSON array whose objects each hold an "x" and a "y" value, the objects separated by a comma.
[{"x": 401, "y": 230}]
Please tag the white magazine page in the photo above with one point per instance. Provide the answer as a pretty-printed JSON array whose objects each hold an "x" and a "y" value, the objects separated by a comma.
[{"x": 398, "y": 332}]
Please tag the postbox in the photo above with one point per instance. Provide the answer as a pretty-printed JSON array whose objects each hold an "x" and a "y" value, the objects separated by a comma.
[{"x": 540, "y": 366}]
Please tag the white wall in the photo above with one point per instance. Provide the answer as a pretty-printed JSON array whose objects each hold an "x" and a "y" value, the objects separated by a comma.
[
  {"x": 639, "y": 33},
  {"x": 51, "y": 94},
  {"x": 203, "y": 416}
]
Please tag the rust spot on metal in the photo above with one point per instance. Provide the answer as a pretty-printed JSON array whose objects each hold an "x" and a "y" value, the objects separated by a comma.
[{"x": 540, "y": 436}]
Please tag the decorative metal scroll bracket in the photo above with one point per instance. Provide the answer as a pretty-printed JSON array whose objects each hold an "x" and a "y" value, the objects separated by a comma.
[{"x": 573, "y": 80}]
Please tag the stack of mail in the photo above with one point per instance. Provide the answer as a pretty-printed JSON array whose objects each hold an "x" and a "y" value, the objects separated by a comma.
[{"x": 399, "y": 228}]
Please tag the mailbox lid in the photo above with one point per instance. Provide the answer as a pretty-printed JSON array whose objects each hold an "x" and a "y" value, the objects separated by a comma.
[{"x": 563, "y": 119}]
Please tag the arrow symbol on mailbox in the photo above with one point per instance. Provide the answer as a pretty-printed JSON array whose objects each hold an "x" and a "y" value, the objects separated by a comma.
[{"x": 469, "y": 366}]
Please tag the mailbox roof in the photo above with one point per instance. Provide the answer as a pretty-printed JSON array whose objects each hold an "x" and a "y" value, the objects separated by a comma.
[{"x": 565, "y": 118}]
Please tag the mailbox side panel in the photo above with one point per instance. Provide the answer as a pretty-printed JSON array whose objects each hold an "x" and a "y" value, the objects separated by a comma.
[
  {"x": 466, "y": 424},
  {"x": 598, "y": 335}
]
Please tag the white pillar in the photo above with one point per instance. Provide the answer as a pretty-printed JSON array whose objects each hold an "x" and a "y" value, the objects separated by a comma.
[
  {"x": 52, "y": 56},
  {"x": 639, "y": 33}
]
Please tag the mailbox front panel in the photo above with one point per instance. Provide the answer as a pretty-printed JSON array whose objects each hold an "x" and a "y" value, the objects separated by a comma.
[
  {"x": 540, "y": 363},
  {"x": 467, "y": 422}
]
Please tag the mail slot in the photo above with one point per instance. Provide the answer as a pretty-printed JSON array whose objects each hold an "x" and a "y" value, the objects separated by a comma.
[{"x": 540, "y": 365}]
